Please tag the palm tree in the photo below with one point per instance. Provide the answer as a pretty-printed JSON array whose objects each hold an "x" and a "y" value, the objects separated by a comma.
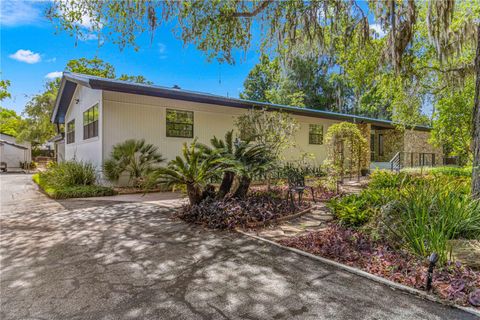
[
  {"x": 248, "y": 161},
  {"x": 135, "y": 157},
  {"x": 194, "y": 171},
  {"x": 226, "y": 149},
  {"x": 254, "y": 160}
]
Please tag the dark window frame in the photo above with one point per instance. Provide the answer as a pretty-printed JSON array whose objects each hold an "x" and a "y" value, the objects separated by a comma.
[
  {"x": 168, "y": 131},
  {"x": 312, "y": 137},
  {"x": 380, "y": 144},
  {"x": 90, "y": 125},
  {"x": 70, "y": 131}
]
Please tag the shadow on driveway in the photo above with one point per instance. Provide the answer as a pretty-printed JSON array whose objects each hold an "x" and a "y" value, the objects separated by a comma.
[{"x": 132, "y": 261}]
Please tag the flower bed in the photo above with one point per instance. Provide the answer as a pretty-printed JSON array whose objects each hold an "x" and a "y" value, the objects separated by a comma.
[
  {"x": 453, "y": 282},
  {"x": 231, "y": 213}
]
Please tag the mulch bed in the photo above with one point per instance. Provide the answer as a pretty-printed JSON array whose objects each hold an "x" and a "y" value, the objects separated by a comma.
[
  {"x": 321, "y": 193},
  {"x": 133, "y": 190},
  {"x": 453, "y": 282},
  {"x": 230, "y": 213}
]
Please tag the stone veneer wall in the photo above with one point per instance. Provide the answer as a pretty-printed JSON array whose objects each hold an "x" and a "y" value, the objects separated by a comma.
[
  {"x": 392, "y": 143},
  {"x": 417, "y": 142}
]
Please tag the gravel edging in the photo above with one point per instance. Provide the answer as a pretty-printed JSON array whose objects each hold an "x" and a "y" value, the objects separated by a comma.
[{"x": 364, "y": 274}]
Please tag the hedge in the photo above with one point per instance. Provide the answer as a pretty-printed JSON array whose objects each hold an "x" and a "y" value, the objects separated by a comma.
[{"x": 80, "y": 191}]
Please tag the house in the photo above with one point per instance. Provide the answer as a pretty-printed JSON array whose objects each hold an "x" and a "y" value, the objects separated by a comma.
[
  {"x": 13, "y": 153},
  {"x": 98, "y": 113}
]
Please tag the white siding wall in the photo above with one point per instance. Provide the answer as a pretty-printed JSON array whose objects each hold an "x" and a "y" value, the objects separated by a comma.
[
  {"x": 127, "y": 116},
  {"x": 89, "y": 150}
]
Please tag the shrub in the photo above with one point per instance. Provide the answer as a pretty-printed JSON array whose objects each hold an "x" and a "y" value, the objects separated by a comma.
[
  {"x": 134, "y": 157},
  {"x": 430, "y": 214},
  {"x": 80, "y": 191},
  {"x": 70, "y": 173},
  {"x": 381, "y": 179},
  {"x": 193, "y": 171},
  {"x": 356, "y": 210}
]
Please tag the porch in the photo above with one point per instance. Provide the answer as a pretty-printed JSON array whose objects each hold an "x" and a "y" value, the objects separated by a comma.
[{"x": 393, "y": 149}]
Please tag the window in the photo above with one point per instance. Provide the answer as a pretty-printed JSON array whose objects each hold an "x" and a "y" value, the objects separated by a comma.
[
  {"x": 315, "y": 134},
  {"x": 179, "y": 123},
  {"x": 90, "y": 123},
  {"x": 71, "y": 131},
  {"x": 380, "y": 144}
]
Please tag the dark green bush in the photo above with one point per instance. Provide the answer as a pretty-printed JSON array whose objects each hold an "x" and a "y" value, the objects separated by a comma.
[
  {"x": 420, "y": 212},
  {"x": 70, "y": 173},
  {"x": 82, "y": 191},
  {"x": 430, "y": 214},
  {"x": 356, "y": 210}
]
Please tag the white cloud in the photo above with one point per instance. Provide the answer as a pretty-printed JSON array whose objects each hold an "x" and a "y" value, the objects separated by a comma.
[
  {"x": 14, "y": 13},
  {"x": 89, "y": 37},
  {"x": 54, "y": 74},
  {"x": 162, "y": 48},
  {"x": 378, "y": 29},
  {"x": 26, "y": 56}
]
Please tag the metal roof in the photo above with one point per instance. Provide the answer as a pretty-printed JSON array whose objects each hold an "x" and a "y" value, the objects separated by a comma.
[
  {"x": 12, "y": 144},
  {"x": 71, "y": 80}
]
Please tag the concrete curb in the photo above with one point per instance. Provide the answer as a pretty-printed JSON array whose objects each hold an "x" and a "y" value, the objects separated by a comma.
[{"x": 364, "y": 274}]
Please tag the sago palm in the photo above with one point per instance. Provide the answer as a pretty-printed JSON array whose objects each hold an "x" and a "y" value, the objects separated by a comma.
[
  {"x": 194, "y": 170},
  {"x": 133, "y": 157}
]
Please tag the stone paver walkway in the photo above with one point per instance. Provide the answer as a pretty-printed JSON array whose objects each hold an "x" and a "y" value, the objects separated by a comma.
[{"x": 313, "y": 221}]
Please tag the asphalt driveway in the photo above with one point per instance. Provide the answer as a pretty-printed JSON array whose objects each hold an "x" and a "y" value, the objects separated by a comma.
[{"x": 100, "y": 259}]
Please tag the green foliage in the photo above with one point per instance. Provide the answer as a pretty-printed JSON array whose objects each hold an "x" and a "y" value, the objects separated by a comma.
[
  {"x": 194, "y": 170},
  {"x": 247, "y": 160},
  {"x": 10, "y": 122},
  {"x": 432, "y": 213},
  {"x": 134, "y": 157},
  {"x": 270, "y": 129},
  {"x": 69, "y": 173},
  {"x": 263, "y": 77},
  {"x": 4, "y": 84},
  {"x": 82, "y": 191},
  {"x": 356, "y": 210},
  {"x": 420, "y": 212},
  {"x": 453, "y": 125},
  {"x": 71, "y": 180},
  {"x": 136, "y": 79},
  {"x": 37, "y": 127},
  {"x": 347, "y": 149},
  {"x": 301, "y": 82},
  {"x": 95, "y": 67}
]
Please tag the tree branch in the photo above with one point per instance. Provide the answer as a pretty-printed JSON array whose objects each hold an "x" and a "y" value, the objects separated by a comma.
[{"x": 257, "y": 10}]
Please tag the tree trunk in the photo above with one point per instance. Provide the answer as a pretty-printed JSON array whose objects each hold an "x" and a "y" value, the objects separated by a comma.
[
  {"x": 194, "y": 194},
  {"x": 226, "y": 184},
  {"x": 242, "y": 189},
  {"x": 476, "y": 126}
]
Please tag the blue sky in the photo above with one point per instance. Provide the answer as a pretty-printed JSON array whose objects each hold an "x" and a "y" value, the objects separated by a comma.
[{"x": 165, "y": 61}]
